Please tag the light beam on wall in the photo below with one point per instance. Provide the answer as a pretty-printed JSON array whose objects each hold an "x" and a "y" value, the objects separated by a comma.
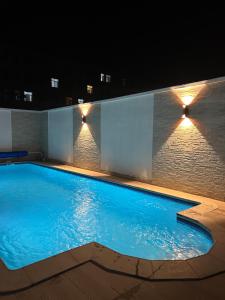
[
  {"x": 187, "y": 95},
  {"x": 84, "y": 108},
  {"x": 186, "y": 122}
]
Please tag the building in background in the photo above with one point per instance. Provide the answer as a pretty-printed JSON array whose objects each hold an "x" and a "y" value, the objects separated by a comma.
[{"x": 35, "y": 81}]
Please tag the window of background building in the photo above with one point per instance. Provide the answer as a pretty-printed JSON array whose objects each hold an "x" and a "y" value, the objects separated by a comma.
[
  {"x": 54, "y": 83},
  {"x": 107, "y": 78},
  {"x": 28, "y": 96},
  {"x": 102, "y": 77},
  {"x": 90, "y": 89}
]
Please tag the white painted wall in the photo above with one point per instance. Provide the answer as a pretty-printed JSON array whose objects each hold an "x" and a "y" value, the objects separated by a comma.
[
  {"x": 127, "y": 135},
  {"x": 60, "y": 134},
  {"x": 5, "y": 130}
]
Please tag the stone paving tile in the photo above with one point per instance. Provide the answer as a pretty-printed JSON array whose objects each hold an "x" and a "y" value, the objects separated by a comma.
[
  {"x": 144, "y": 268},
  {"x": 117, "y": 282},
  {"x": 58, "y": 288},
  {"x": 89, "y": 281},
  {"x": 204, "y": 208},
  {"x": 49, "y": 267},
  {"x": 12, "y": 280},
  {"x": 214, "y": 287},
  {"x": 172, "y": 290},
  {"x": 83, "y": 253},
  {"x": 92, "y": 286},
  {"x": 8, "y": 297},
  {"x": 174, "y": 269},
  {"x": 218, "y": 251},
  {"x": 114, "y": 260},
  {"x": 218, "y": 218},
  {"x": 142, "y": 292},
  {"x": 205, "y": 265}
]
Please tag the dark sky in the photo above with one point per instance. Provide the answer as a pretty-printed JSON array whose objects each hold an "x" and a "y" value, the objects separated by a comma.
[{"x": 161, "y": 46}]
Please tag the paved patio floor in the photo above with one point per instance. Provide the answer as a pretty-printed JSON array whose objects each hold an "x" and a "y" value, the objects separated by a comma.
[{"x": 92, "y": 282}]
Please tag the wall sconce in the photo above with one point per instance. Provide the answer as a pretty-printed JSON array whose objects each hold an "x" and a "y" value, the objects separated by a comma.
[
  {"x": 84, "y": 119},
  {"x": 186, "y": 111}
]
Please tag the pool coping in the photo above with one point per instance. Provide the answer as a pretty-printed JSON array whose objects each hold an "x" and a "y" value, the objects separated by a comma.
[{"x": 209, "y": 213}]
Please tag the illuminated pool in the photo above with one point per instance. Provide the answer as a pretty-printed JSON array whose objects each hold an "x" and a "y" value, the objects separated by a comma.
[{"x": 44, "y": 212}]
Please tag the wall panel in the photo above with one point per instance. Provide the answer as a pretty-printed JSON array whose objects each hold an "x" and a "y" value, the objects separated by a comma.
[{"x": 60, "y": 134}]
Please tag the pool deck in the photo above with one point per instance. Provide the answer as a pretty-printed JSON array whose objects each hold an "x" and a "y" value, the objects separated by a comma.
[{"x": 96, "y": 272}]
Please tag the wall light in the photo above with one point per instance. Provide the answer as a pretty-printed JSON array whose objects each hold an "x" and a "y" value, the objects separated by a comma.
[
  {"x": 84, "y": 119},
  {"x": 186, "y": 111}
]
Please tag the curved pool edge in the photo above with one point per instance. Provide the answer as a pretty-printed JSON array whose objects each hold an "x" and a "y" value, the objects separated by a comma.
[{"x": 203, "y": 214}]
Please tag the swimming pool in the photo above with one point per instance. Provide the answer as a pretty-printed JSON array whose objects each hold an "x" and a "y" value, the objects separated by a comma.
[{"x": 44, "y": 212}]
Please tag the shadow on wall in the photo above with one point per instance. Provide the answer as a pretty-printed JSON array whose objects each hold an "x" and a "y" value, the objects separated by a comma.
[
  {"x": 208, "y": 115},
  {"x": 188, "y": 153},
  {"x": 87, "y": 136}
]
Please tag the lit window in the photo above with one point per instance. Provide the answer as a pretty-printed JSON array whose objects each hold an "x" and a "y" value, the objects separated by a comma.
[
  {"x": 107, "y": 78},
  {"x": 90, "y": 89},
  {"x": 102, "y": 77},
  {"x": 54, "y": 83},
  {"x": 27, "y": 96}
]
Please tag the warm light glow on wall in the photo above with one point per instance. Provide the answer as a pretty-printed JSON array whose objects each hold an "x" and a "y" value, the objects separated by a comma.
[
  {"x": 84, "y": 126},
  {"x": 188, "y": 94},
  {"x": 84, "y": 108},
  {"x": 187, "y": 99},
  {"x": 186, "y": 122}
]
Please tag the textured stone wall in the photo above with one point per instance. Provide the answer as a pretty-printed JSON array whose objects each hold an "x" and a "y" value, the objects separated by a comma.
[
  {"x": 26, "y": 131},
  {"x": 87, "y": 137},
  {"x": 191, "y": 156}
]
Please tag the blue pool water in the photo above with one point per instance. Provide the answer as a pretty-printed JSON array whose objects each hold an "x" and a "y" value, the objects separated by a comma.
[{"x": 44, "y": 212}]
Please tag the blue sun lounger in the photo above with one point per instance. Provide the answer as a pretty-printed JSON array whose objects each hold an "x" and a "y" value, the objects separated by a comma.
[{"x": 14, "y": 154}]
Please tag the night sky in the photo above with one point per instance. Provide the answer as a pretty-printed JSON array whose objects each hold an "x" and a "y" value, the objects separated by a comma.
[{"x": 154, "y": 47}]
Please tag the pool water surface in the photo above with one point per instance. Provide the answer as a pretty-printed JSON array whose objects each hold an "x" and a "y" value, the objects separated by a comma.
[{"x": 44, "y": 212}]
